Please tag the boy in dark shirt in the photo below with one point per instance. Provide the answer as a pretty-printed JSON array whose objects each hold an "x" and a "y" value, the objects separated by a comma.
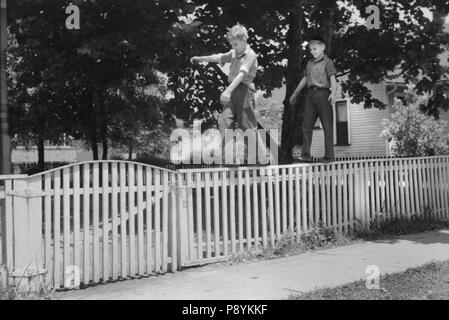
[{"x": 321, "y": 95}]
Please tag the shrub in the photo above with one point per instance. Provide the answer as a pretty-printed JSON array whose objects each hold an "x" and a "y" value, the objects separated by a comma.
[{"x": 412, "y": 132}]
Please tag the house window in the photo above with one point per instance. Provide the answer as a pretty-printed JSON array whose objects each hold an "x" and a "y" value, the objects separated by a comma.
[
  {"x": 341, "y": 123},
  {"x": 400, "y": 96}
]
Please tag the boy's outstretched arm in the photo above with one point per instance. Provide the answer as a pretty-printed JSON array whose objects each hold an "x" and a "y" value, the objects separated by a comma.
[
  {"x": 295, "y": 94},
  {"x": 226, "y": 95},
  {"x": 212, "y": 58},
  {"x": 333, "y": 95}
]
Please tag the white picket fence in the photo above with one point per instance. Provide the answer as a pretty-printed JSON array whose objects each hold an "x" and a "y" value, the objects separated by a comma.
[{"x": 116, "y": 220}]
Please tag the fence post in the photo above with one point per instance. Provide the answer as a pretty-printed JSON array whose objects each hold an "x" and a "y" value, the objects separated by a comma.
[
  {"x": 178, "y": 211},
  {"x": 27, "y": 231},
  {"x": 360, "y": 185}
]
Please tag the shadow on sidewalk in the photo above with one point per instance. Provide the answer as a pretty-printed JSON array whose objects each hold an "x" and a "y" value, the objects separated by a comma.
[{"x": 430, "y": 237}]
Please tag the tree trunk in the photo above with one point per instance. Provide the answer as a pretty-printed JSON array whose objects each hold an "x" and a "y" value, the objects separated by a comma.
[
  {"x": 328, "y": 25},
  {"x": 41, "y": 153},
  {"x": 104, "y": 144},
  {"x": 94, "y": 145},
  {"x": 130, "y": 152},
  {"x": 291, "y": 129},
  {"x": 103, "y": 129},
  {"x": 93, "y": 128}
]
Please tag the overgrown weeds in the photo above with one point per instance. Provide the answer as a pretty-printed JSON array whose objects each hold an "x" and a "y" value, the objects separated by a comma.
[
  {"x": 317, "y": 237},
  {"x": 13, "y": 289}
]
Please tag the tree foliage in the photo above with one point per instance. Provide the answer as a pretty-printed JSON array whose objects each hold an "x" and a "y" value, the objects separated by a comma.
[
  {"x": 87, "y": 72},
  {"x": 407, "y": 43}
]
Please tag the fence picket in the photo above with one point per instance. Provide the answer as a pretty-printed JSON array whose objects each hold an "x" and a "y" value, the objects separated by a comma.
[
  {"x": 322, "y": 193},
  {"x": 383, "y": 184},
  {"x": 248, "y": 209},
  {"x": 334, "y": 196},
  {"x": 446, "y": 187},
  {"x": 316, "y": 193},
  {"x": 140, "y": 227},
  {"x": 408, "y": 173},
  {"x": 208, "y": 214},
  {"x": 224, "y": 204},
  {"x": 291, "y": 198},
  {"x": 47, "y": 220},
  {"x": 263, "y": 208},
  {"x": 255, "y": 210},
  {"x": 438, "y": 189},
  {"x": 86, "y": 223},
  {"x": 284, "y": 200},
  {"x": 157, "y": 221},
  {"x": 414, "y": 189},
  {"x": 305, "y": 224},
  {"x": 96, "y": 224},
  {"x": 149, "y": 219},
  {"x": 123, "y": 222},
  {"x": 105, "y": 219},
  {"x": 76, "y": 216},
  {"x": 345, "y": 198},
  {"x": 232, "y": 211},
  {"x": 216, "y": 198},
  {"x": 298, "y": 204},
  {"x": 114, "y": 218},
  {"x": 312, "y": 222},
  {"x": 166, "y": 188},
  {"x": 57, "y": 230},
  {"x": 190, "y": 219},
  {"x": 271, "y": 207},
  {"x": 397, "y": 189},
  {"x": 433, "y": 187},
  {"x": 328, "y": 196},
  {"x": 339, "y": 199},
  {"x": 66, "y": 218},
  {"x": 377, "y": 185},
  {"x": 351, "y": 196},
  {"x": 199, "y": 215},
  {"x": 277, "y": 204},
  {"x": 132, "y": 224},
  {"x": 240, "y": 208}
]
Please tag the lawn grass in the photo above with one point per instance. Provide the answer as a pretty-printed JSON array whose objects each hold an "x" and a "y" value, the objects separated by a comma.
[{"x": 428, "y": 282}]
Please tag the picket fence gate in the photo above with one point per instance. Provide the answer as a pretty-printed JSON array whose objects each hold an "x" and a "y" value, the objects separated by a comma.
[{"x": 115, "y": 220}]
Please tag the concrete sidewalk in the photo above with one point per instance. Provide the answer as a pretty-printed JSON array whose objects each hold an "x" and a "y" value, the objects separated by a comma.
[{"x": 277, "y": 279}]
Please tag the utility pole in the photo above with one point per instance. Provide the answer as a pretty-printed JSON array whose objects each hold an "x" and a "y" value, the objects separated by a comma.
[{"x": 5, "y": 147}]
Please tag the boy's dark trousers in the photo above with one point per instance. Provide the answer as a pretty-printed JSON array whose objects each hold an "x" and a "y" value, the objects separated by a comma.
[
  {"x": 240, "y": 110},
  {"x": 239, "y": 113},
  {"x": 317, "y": 105}
]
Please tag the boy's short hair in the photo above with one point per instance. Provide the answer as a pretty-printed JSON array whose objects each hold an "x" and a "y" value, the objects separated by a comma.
[
  {"x": 237, "y": 32},
  {"x": 316, "y": 39}
]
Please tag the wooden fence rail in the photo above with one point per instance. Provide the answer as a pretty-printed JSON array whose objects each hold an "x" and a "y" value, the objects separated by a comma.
[{"x": 114, "y": 219}]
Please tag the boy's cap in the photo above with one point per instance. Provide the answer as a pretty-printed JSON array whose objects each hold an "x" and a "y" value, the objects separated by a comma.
[{"x": 316, "y": 38}]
